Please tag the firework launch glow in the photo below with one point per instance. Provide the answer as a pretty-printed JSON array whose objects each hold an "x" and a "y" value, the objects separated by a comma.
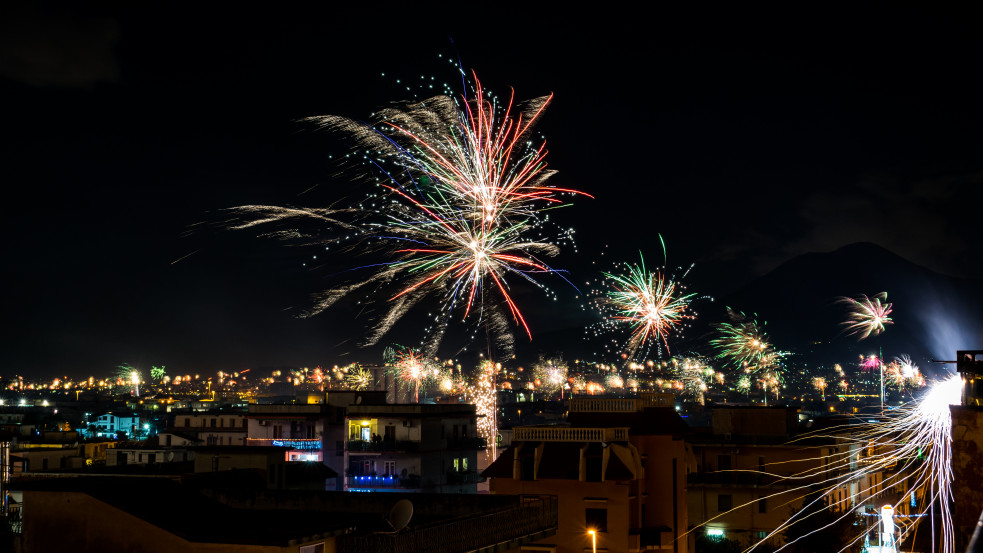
[{"x": 909, "y": 451}]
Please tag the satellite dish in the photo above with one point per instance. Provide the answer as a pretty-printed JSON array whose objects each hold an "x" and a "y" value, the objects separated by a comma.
[
  {"x": 400, "y": 514},
  {"x": 169, "y": 456},
  {"x": 358, "y": 400}
]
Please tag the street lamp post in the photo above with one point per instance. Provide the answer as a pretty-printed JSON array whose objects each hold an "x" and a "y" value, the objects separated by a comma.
[{"x": 593, "y": 540}]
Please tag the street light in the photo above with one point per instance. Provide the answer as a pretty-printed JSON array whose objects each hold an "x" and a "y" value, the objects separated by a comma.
[{"x": 593, "y": 540}]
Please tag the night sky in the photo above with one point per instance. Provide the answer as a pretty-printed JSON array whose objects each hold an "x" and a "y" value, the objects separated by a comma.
[{"x": 744, "y": 137}]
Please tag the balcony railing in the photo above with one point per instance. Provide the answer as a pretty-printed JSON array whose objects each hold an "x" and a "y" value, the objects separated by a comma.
[
  {"x": 531, "y": 518},
  {"x": 568, "y": 434},
  {"x": 388, "y": 481},
  {"x": 603, "y": 405},
  {"x": 355, "y": 446}
]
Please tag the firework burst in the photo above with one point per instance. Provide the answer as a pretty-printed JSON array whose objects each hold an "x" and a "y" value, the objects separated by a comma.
[
  {"x": 646, "y": 305},
  {"x": 461, "y": 188},
  {"x": 868, "y": 316},
  {"x": 550, "y": 375},
  {"x": 744, "y": 343},
  {"x": 359, "y": 378}
]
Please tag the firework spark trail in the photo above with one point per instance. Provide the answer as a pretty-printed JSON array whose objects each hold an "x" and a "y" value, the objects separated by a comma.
[
  {"x": 693, "y": 376},
  {"x": 482, "y": 393},
  {"x": 359, "y": 378},
  {"x": 911, "y": 449},
  {"x": 649, "y": 304},
  {"x": 868, "y": 316},
  {"x": 744, "y": 343},
  {"x": 462, "y": 190},
  {"x": 550, "y": 375},
  {"x": 410, "y": 368}
]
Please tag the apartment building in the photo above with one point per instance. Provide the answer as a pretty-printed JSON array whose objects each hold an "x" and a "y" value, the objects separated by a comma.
[
  {"x": 740, "y": 486},
  {"x": 412, "y": 447},
  {"x": 207, "y": 428},
  {"x": 618, "y": 469}
]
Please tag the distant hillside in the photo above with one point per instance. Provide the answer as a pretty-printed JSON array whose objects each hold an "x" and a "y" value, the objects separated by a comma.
[{"x": 934, "y": 314}]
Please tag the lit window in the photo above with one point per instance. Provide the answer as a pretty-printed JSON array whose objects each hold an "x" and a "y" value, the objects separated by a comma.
[
  {"x": 596, "y": 519},
  {"x": 715, "y": 533}
]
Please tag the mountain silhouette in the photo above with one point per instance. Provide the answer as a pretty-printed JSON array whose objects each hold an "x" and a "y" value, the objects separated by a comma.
[{"x": 933, "y": 314}]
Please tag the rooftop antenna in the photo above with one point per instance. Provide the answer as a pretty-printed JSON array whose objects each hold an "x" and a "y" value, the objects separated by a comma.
[{"x": 400, "y": 515}]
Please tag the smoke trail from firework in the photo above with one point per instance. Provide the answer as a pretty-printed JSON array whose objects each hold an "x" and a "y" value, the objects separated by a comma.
[{"x": 868, "y": 316}]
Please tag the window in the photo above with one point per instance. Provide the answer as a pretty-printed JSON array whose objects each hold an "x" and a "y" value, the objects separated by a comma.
[
  {"x": 457, "y": 465},
  {"x": 464, "y": 463},
  {"x": 389, "y": 468},
  {"x": 391, "y": 433},
  {"x": 277, "y": 432},
  {"x": 187, "y": 422},
  {"x": 213, "y": 423},
  {"x": 464, "y": 431},
  {"x": 311, "y": 432},
  {"x": 596, "y": 519},
  {"x": 724, "y": 502},
  {"x": 762, "y": 505},
  {"x": 760, "y": 534},
  {"x": 723, "y": 462}
]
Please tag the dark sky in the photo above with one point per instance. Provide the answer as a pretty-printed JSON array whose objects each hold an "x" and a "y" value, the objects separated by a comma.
[{"x": 744, "y": 136}]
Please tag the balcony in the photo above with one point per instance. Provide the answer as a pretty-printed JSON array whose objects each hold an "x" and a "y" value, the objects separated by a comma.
[
  {"x": 568, "y": 434},
  {"x": 362, "y": 446},
  {"x": 383, "y": 482}
]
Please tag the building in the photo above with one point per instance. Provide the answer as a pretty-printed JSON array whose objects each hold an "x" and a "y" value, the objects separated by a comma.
[
  {"x": 617, "y": 468},
  {"x": 967, "y": 448},
  {"x": 210, "y": 428},
  {"x": 412, "y": 447},
  {"x": 740, "y": 487},
  {"x": 111, "y": 424}
]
